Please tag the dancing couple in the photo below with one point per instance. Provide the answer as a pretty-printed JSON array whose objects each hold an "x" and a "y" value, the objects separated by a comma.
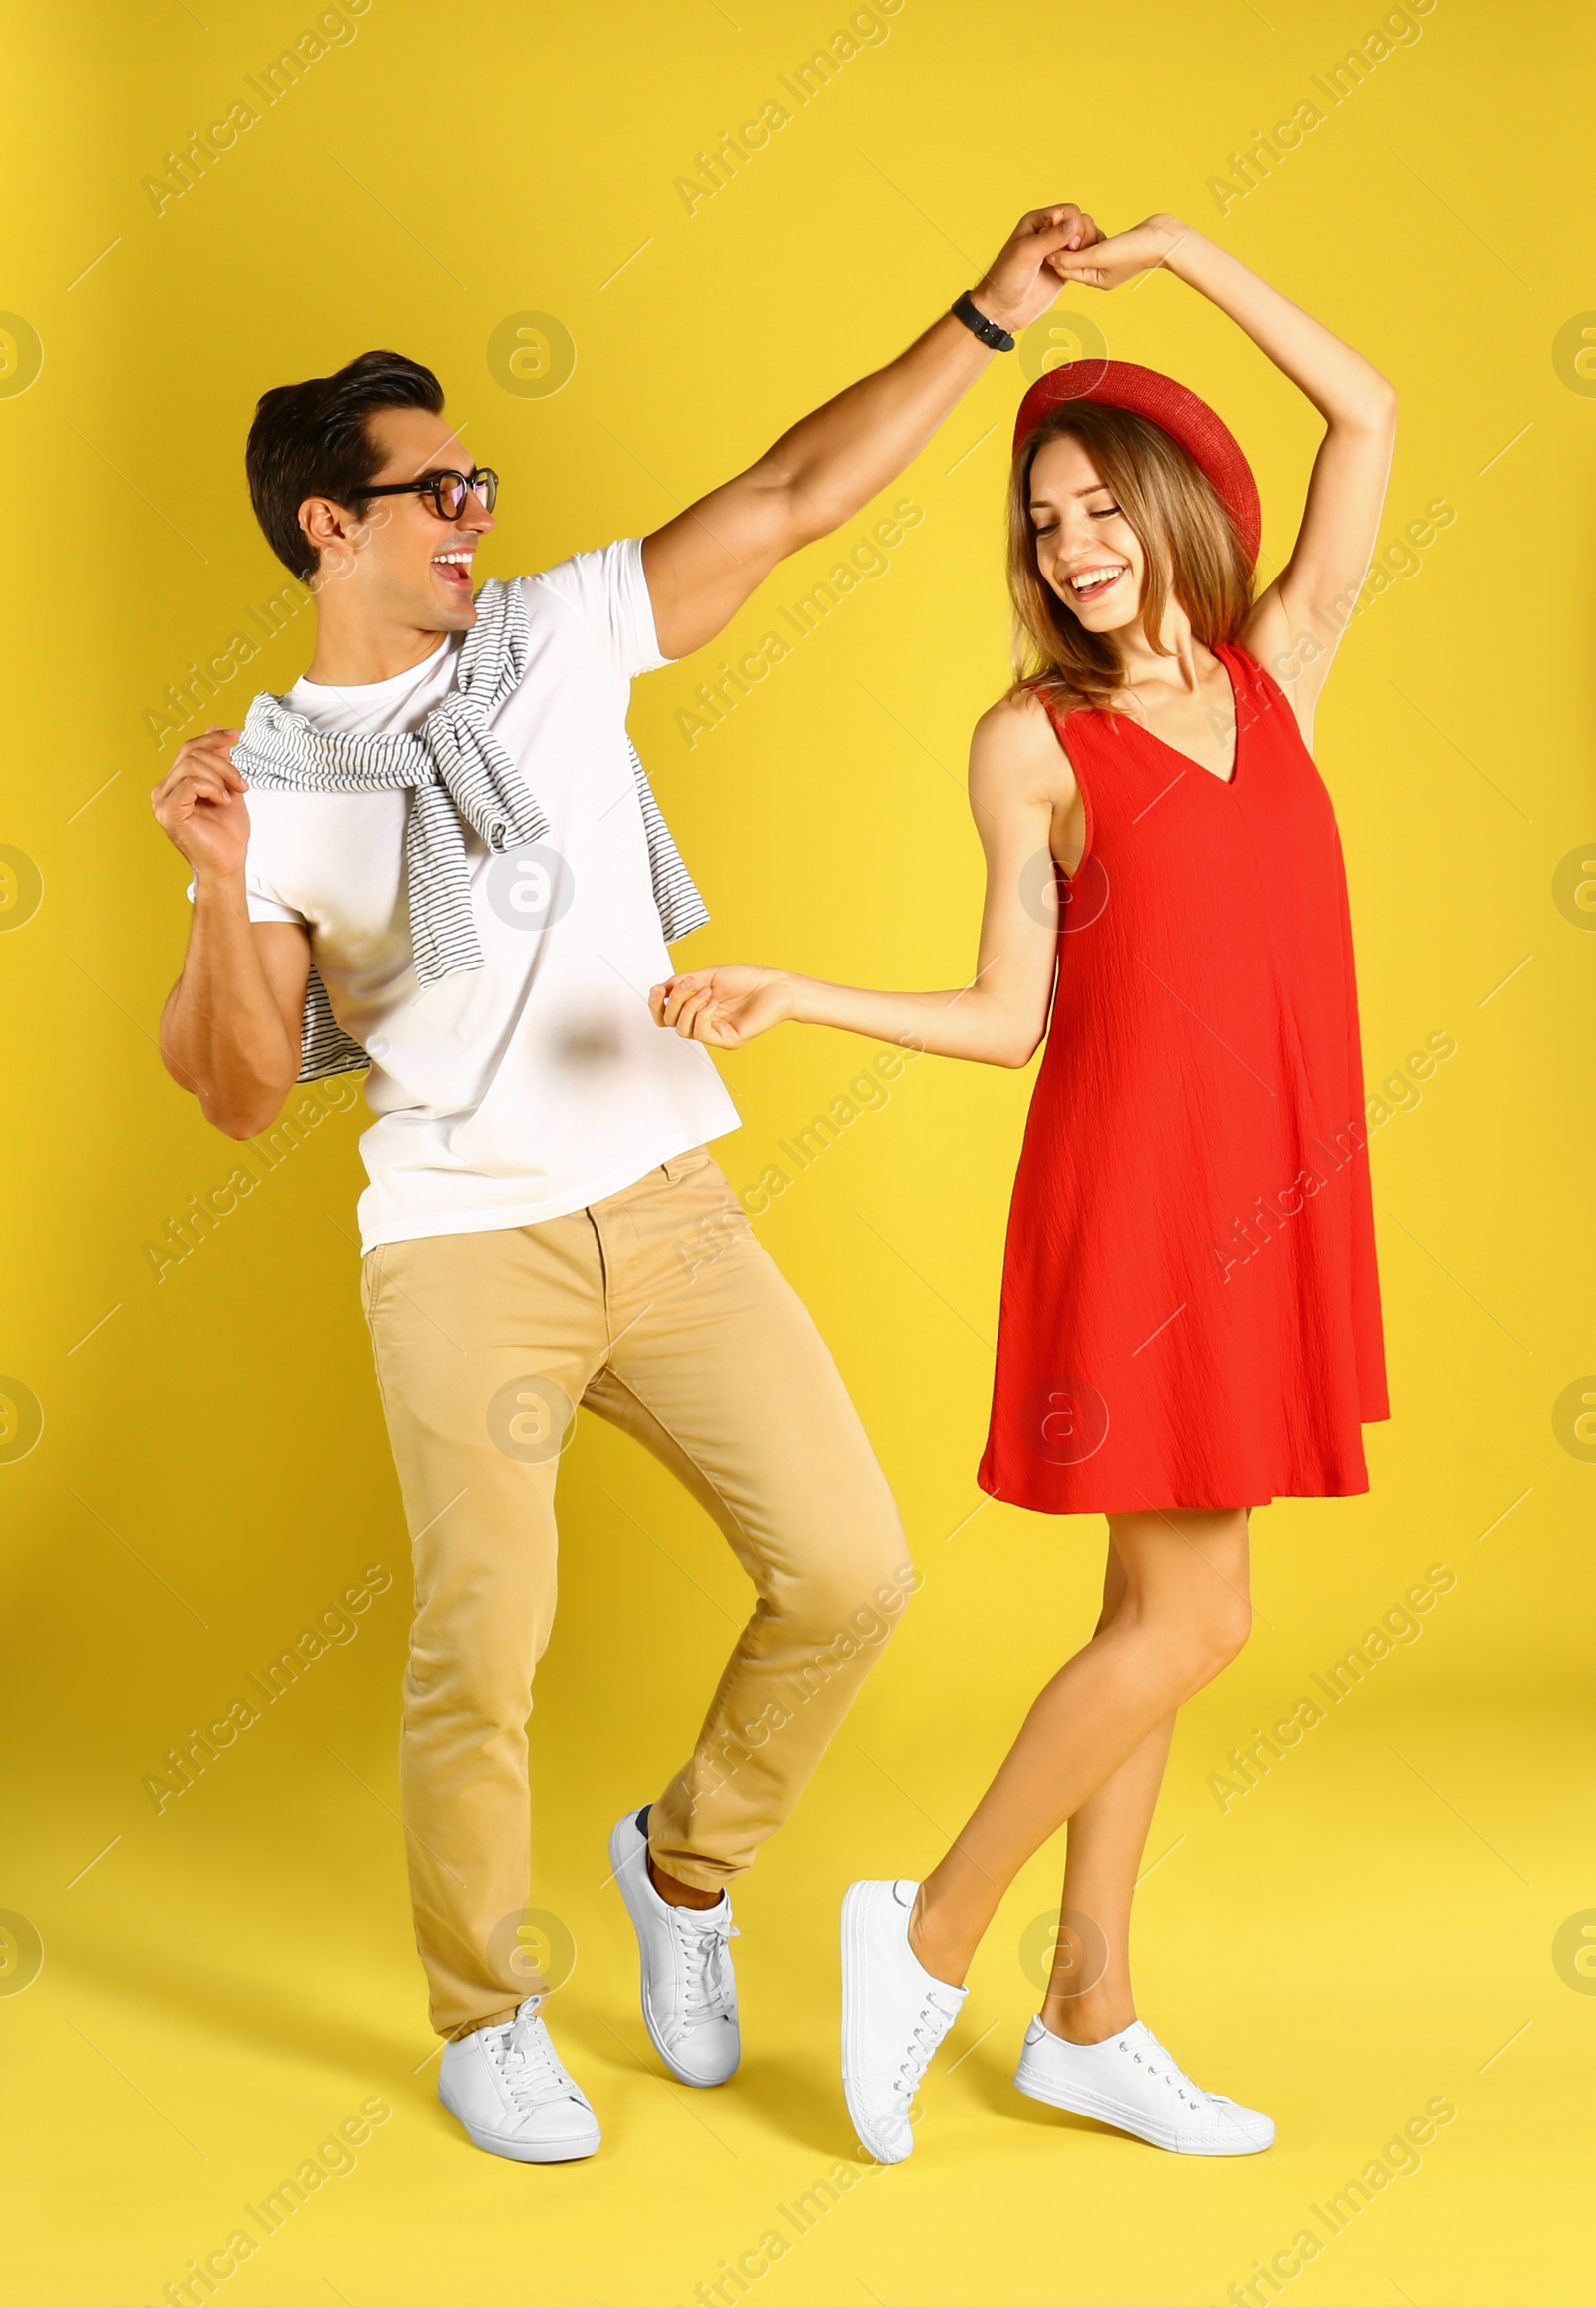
[{"x": 438, "y": 858}]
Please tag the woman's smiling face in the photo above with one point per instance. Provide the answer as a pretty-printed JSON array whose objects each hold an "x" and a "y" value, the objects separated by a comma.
[{"x": 1086, "y": 550}]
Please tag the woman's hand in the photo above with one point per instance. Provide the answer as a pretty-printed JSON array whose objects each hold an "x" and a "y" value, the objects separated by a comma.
[
  {"x": 723, "y": 1007},
  {"x": 1111, "y": 263}
]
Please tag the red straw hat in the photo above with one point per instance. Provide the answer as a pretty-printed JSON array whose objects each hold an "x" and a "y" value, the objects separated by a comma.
[{"x": 1174, "y": 408}]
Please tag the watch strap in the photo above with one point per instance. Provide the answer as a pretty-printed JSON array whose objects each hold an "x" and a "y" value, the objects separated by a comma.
[{"x": 989, "y": 331}]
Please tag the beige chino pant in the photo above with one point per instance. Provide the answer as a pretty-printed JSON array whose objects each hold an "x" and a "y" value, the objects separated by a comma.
[{"x": 656, "y": 1308}]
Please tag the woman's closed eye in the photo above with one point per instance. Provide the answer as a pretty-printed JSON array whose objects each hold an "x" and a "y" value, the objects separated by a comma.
[{"x": 1043, "y": 527}]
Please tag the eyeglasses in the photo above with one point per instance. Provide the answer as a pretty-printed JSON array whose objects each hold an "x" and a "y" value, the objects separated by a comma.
[{"x": 448, "y": 490}]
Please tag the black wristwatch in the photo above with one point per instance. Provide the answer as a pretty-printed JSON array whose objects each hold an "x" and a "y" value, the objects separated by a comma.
[{"x": 998, "y": 339}]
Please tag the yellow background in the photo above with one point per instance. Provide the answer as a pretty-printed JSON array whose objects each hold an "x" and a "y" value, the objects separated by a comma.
[{"x": 224, "y": 1984}]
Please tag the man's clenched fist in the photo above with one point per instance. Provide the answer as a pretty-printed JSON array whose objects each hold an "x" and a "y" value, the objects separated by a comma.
[{"x": 200, "y": 803}]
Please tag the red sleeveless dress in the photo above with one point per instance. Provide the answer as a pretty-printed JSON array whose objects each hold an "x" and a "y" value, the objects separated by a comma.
[{"x": 1190, "y": 1307}]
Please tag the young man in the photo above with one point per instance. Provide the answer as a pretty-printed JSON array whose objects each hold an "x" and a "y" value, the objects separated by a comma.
[{"x": 450, "y": 868}]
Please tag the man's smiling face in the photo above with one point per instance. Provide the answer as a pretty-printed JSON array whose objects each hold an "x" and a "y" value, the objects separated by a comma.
[{"x": 408, "y": 566}]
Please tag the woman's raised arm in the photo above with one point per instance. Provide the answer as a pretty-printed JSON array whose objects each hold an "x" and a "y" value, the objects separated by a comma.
[{"x": 1296, "y": 624}]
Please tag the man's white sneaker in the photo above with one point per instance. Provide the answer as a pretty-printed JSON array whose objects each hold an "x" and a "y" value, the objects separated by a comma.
[
  {"x": 507, "y": 2086},
  {"x": 894, "y": 2016},
  {"x": 689, "y": 1991},
  {"x": 1131, "y": 2083}
]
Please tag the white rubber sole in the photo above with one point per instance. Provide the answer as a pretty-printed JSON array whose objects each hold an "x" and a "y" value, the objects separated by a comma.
[
  {"x": 1123, "y": 2119},
  {"x": 624, "y": 1870},
  {"x": 521, "y": 2150},
  {"x": 854, "y": 1944}
]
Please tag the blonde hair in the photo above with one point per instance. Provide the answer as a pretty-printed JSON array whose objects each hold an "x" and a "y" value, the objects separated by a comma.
[{"x": 1191, "y": 545}]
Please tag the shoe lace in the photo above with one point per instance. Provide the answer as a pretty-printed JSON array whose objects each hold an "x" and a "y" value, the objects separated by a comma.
[
  {"x": 710, "y": 1987},
  {"x": 1164, "y": 2068},
  {"x": 528, "y": 2061},
  {"x": 931, "y": 2023}
]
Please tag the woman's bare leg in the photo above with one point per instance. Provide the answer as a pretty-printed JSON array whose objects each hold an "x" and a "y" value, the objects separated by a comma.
[
  {"x": 1182, "y": 1616},
  {"x": 1089, "y": 1994}
]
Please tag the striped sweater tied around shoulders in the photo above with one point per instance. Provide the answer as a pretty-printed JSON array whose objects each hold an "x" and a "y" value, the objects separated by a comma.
[{"x": 460, "y": 774}]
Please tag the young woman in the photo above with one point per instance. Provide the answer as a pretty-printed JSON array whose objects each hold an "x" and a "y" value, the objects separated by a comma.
[{"x": 1190, "y": 1313}]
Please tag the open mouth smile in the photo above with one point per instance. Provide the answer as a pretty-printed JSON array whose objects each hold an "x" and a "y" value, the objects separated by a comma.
[
  {"x": 1090, "y": 584},
  {"x": 453, "y": 568}
]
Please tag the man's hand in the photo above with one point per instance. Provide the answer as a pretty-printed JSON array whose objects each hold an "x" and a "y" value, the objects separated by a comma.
[
  {"x": 1023, "y": 281},
  {"x": 200, "y": 803},
  {"x": 725, "y": 1008}
]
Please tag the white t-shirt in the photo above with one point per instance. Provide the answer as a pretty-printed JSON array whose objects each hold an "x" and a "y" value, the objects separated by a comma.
[{"x": 540, "y": 1082}]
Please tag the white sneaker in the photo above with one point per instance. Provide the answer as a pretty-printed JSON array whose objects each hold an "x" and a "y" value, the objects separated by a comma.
[
  {"x": 507, "y": 2086},
  {"x": 689, "y": 1991},
  {"x": 894, "y": 2016},
  {"x": 1132, "y": 2081}
]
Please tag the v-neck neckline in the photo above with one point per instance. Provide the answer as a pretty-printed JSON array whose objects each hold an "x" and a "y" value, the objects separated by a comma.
[{"x": 1190, "y": 759}]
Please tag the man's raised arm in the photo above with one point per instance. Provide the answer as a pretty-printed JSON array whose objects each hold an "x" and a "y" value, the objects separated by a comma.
[{"x": 703, "y": 566}]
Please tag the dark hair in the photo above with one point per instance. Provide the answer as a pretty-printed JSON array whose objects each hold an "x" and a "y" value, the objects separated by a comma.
[{"x": 311, "y": 440}]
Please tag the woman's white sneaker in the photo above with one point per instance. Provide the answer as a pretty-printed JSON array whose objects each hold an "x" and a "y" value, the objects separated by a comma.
[
  {"x": 508, "y": 2088},
  {"x": 689, "y": 1991},
  {"x": 894, "y": 2016},
  {"x": 1131, "y": 2083}
]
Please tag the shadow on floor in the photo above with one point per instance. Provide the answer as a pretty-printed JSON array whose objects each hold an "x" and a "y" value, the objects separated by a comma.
[
  {"x": 994, "y": 2085},
  {"x": 798, "y": 2102}
]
